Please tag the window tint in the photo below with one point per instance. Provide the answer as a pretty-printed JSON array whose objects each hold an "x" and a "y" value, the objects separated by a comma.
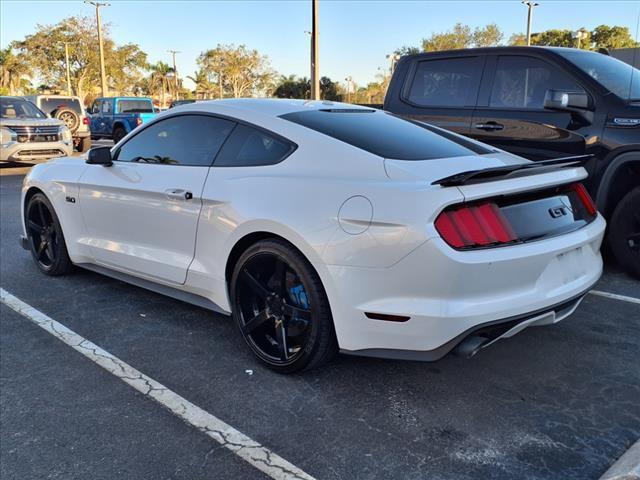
[
  {"x": 449, "y": 82},
  {"x": 249, "y": 147},
  {"x": 182, "y": 140},
  {"x": 11, "y": 107},
  {"x": 135, "y": 106},
  {"x": 381, "y": 134},
  {"x": 50, "y": 105},
  {"x": 522, "y": 82}
]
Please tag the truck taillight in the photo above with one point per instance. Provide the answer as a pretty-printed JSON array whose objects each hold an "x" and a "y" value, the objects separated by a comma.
[
  {"x": 139, "y": 121},
  {"x": 85, "y": 121},
  {"x": 477, "y": 225}
]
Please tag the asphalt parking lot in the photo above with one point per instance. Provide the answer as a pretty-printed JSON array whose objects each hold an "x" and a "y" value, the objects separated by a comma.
[{"x": 560, "y": 402}]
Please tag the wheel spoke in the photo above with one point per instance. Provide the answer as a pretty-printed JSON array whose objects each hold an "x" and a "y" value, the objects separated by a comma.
[
  {"x": 301, "y": 313},
  {"x": 31, "y": 225},
  {"x": 255, "y": 322},
  {"x": 50, "y": 252},
  {"x": 254, "y": 284},
  {"x": 281, "y": 338},
  {"x": 41, "y": 248},
  {"x": 281, "y": 276},
  {"x": 43, "y": 220}
]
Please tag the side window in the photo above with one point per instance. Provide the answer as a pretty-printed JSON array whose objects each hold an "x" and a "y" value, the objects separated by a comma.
[
  {"x": 249, "y": 147},
  {"x": 522, "y": 82},
  {"x": 94, "y": 107},
  {"x": 106, "y": 106},
  {"x": 451, "y": 82},
  {"x": 192, "y": 140}
]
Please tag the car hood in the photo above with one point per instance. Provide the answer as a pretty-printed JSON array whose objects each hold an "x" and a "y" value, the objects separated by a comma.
[{"x": 30, "y": 122}]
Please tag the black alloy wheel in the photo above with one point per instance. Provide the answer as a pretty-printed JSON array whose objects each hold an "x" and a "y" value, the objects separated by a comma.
[
  {"x": 45, "y": 237},
  {"x": 281, "y": 308},
  {"x": 624, "y": 232}
]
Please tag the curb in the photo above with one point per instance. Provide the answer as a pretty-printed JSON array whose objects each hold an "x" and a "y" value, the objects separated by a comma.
[{"x": 627, "y": 467}]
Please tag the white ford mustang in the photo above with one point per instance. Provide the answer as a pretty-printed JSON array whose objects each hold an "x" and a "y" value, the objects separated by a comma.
[{"x": 324, "y": 227}]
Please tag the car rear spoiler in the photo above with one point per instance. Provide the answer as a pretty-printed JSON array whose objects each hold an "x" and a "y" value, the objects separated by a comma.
[{"x": 521, "y": 169}]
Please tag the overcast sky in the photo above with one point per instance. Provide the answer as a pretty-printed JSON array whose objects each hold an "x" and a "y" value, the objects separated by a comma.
[{"x": 355, "y": 36}]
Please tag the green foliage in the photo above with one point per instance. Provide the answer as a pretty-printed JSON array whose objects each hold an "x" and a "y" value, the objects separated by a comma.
[
  {"x": 461, "y": 36},
  {"x": 613, "y": 37},
  {"x": 237, "y": 71},
  {"x": 12, "y": 70},
  {"x": 602, "y": 36},
  {"x": 46, "y": 56},
  {"x": 300, "y": 87}
]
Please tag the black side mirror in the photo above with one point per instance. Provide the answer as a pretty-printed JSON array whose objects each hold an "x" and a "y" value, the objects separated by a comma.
[
  {"x": 574, "y": 102},
  {"x": 100, "y": 156}
]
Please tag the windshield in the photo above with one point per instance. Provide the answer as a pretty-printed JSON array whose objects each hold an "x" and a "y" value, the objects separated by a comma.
[
  {"x": 135, "y": 106},
  {"x": 19, "y": 108},
  {"x": 383, "y": 134},
  {"x": 615, "y": 75}
]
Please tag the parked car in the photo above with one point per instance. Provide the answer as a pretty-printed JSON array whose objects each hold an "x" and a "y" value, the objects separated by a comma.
[
  {"x": 115, "y": 117},
  {"x": 28, "y": 135},
  {"x": 71, "y": 111},
  {"x": 540, "y": 103},
  {"x": 324, "y": 226}
]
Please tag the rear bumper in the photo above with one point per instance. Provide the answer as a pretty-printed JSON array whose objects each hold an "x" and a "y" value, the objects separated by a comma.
[{"x": 448, "y": 294}]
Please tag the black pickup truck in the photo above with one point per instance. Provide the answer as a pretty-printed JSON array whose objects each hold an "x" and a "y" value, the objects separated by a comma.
[{"x": 540, "y": 103}]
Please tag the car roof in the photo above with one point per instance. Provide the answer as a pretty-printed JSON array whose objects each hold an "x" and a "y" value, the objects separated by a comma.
[
  {"x": 273, "y": 107},
  {"x": 489, "y": 50}
]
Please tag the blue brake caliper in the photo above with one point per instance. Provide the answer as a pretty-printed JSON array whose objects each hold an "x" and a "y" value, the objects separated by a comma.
[{"x": 299, "y": 297}]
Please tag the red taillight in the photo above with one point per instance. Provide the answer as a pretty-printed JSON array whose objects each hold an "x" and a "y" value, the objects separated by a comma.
[
  {"x": 474, "y": 226},
  {"x": 85, "y": 121},
  {"x": 139, "y": 121},
  {"x": 585, "y": 198}
]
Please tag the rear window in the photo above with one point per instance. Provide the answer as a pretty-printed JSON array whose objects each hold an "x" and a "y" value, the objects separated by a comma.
[
  {"x": 249, "y": 147},
  {"x": 381, "y": 133},
  {"x": 51, "y": 105},
  {"x": 135, "y": 106}
]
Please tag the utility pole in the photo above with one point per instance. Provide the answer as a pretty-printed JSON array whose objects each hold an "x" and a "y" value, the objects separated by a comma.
[
  {"x": 175, "y": 72},
  {"x": 66, "y": 62},
  {"x": 315, "y": 67},
  {"x": 103, "y": 76},
  {"x": 530, "y": 7},
  {"x": 348, "y": 80}
]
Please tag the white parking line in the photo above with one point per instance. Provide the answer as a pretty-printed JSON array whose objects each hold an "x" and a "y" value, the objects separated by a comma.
[
  {"x": 615, "y": 296},
  {"x": 249, "y": 450}
]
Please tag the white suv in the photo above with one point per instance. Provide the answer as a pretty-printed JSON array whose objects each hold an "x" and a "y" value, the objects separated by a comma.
[
  {"x": 71, "y": 111},
  {"x": 28, "y": 135}
]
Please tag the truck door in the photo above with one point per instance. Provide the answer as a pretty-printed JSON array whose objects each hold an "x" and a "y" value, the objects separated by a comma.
[
  {"x": 442, "y": 91},
  {"x": 510, "y": 113}
]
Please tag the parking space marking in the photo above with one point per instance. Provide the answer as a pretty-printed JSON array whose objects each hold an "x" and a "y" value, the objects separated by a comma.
[
  {"x": 249, "y": 450},
  {"x": 615, "y": 296}
]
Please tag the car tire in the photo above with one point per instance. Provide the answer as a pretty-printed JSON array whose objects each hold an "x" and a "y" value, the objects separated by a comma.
[
  {"x": 624, "y": 232},
  {"x": 84, "y": 145},
  {"x": 68, "y": 117},
  {"x": 118, "y": 134},
  {"x": 279, "y": 301},
  {"x": 45, "y": 237}
]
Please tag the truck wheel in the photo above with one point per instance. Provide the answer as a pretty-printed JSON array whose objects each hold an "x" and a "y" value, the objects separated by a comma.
[
  {"x": 69, "y": 117},
  {"x": 624, "y": 232},
  {"x": 84, "y": 145},
  {"x": 118, "y": 134}
]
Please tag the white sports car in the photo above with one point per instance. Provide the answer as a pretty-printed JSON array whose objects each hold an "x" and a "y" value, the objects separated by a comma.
[{"x": 324, "y": 227}]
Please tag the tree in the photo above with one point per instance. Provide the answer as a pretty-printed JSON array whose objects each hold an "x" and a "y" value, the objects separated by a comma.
[
  {"x": 159, "y": 80},
  {"x": 46, "y": 56},
  {"x": 204, "y": 87},
  {"x": 294, "y": 87},
  {"x": 237, "y": 70},
  {"x": 614, "y": 37},
  {"x": 461, "y": 36},
  {"x": 406, "y": 50},
  {"x": 12, "y": 70}
]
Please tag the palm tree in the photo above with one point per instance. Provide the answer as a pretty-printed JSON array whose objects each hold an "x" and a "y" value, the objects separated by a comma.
[
  {"x": 159, "y": 78},
  {"x": 203, "y": 86},
  {"x": 12, "y": 69}
]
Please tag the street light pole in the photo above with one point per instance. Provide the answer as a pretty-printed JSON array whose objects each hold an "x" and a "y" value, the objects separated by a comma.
[
  {"x": 315, "y": 67},
  {"x": 103, "y": 76},
  {"x": 175, "y": 72},
  {"x": 349, "y": 80},
  {"x": 530, "y": 7},
  {"x": 66, "y": 62}
]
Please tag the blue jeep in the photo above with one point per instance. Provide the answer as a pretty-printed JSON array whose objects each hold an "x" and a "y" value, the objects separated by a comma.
[{"x": 114, "y": 117}]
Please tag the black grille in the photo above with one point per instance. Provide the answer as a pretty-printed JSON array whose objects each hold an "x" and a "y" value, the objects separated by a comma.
[{"x": 52, "y": 152}]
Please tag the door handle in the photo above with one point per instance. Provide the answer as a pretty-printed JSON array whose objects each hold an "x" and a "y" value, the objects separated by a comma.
[
  {"x": 489, "y": 126},
  {"x": 178, "y": 194}
]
